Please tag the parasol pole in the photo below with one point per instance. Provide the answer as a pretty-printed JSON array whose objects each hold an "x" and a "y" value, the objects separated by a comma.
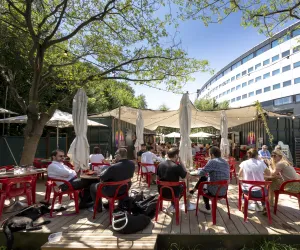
[
  {"x": 57, "y": 136},
  {"x": 119, "y": 127}
]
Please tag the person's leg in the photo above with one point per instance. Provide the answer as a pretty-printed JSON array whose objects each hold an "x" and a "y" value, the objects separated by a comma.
[
  {"x": 93, "y": 192},
  {"x": 202, "y": 179}
]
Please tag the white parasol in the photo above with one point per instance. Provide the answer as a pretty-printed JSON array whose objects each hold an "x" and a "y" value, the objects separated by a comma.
[{"x": 224, "y": 146}]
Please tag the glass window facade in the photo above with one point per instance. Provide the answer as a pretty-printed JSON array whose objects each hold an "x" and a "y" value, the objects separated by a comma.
[
  {"x": 238, "y": 87},
  {"x": 285, "y": 53},
  {"x": 232, "y": 89},
  {"x": 238, "y": 98},
  {"x": 233, "y": 100},
  {"x": 276, "y": 86},
  {"x": 286, "y": 68},
  {"x": 266, "y": 62},
  {"x": 251, "y": 94},
  {"x": 267, "y": 89},
  {"x": 257, "y": 66},
  {"x": 250, "y": 81},
  {"x": 297, "y": 80},
  {"x": 244, "y": 72},
  {"x": 257, "y": 78},
  {"x": 287, "y": 83},
  {"x": 275, "y": 43},
  {"x": 297, "y": 98},
  {"x": 244, "y": 84},
  {"x": 228, "y": 91},
  {"x": 284, "y": 100},
  {"x": 267, "y": 75},
  {"x": 275, "y": 72},
  {"x": 296, "y": 49},
  {"x": 275, "y": 58},
  {"x": 250, "y": 70},
  {"x": 244, "y": 96},
  {"x": 296, "y": 32},
  {"x": 296, "y": 64},
  {"x": 232, "y": 78},
  {"x": 238, "y": 76},
  {"x": 263, "y": 49},
  {"x": 259, "y": 91}
]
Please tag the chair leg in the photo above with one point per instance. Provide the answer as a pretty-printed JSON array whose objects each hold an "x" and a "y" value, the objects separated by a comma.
[
  {"x": 76, "y": 201},
  {"x": 149, "y": 179},
  {"x": 53, "y": 203},
  {"x": 161, "y": 204},
  {"x": 29, "y": 197},
  {"x": 228, "y": 209},
  {"x": 214, "y": 211},
  {"x": 158, "y": 207},
  {"x": 276, "y": 202},
  {"x": 184, "y": 200},
  {"x": 2, "y": 200},
  {"x": 268, "y": 210},
  {"x": 245, "y": 208},
  {"x": 111, "y": 209},
  {"x": 96, "y": 206},
  {"x": 60, "y": 199},
  {"x": 177, "y": 211},
  {"x": 240, "y": 201},
  {"x": 197, "y": 204}
]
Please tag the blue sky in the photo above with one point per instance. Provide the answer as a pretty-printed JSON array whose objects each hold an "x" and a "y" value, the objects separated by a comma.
[{"x": 218, "y": 43}]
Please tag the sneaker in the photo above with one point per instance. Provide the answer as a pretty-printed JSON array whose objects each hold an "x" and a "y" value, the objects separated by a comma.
[
  {"x": 204, "y": 210},
  {"x": 91, "y": 209},
  {"x": 171, "y": 209}
]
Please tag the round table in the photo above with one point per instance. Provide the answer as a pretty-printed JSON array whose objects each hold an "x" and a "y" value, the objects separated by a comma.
[{"x": 17, "y": 205}]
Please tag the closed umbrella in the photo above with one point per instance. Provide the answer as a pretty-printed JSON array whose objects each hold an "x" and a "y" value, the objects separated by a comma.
[
  {"x": 224, "y": 146},
  {"x": 185, "y": 149},
  {"x": 139, "y": 131},
  {"x": 79, "y": 150}
]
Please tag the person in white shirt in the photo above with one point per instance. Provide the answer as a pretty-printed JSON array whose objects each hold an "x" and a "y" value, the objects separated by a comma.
[
  {"x": 193, "y": 149},
  {"x": 149, "y": 157},
  {"x": 58, "y": 170},
  {"x": 253, "y": 170},
  {"x": 96, "y": 157},
  {"x": 197, "y": 148}
]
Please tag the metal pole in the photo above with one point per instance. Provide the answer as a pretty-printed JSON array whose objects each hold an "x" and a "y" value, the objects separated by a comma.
[
  {"x": 10, "y": 151},
  {"x": 119, "y": 128},
  {"x": 57, "y": 136},
  {"x": 256, "y": 131},
  {"x": 3, "y": 127}
]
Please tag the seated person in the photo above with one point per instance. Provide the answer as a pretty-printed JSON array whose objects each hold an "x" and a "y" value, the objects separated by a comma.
[
  {"x": 253, "y": 170},
  {"x": 170, "y": 171},
  {"x": 218, "y": 170},
  {"x": 58, "y": 170},
  {"x": 264, "y": 153},
  {"x": 96, "y": 157},
  {"x": 149, "y": 157},
  {"x": 163, "y": 156},
  {"x": 281, "y": 171},
  {"x": 122, "y": 170},
  {"x": 139, "y": 154}
]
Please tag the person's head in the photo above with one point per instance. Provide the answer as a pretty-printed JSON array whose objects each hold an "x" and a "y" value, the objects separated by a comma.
[
  {"x": 264, "y": 147},
  {"x": 143, "y": 147},
  {"x": 163, "y": 154},
  {"x": 252, "y": 153},
  {"x": 277, "y": 155},
  {"x": 173, "y": 154},
  {"x": 278, "y": 147},
  {"x": 214, "y": 152},
  {"x": 121, "y": 154},
  {"x": 57, "y": 155},
  {"x": 150, "y": 148},
  {"x": 97, "y": 150},
  {"x": 195, "y": 143}
]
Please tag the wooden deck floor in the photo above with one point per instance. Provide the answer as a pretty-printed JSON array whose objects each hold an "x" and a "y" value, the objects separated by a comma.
[{"x": 82, "y": 232}]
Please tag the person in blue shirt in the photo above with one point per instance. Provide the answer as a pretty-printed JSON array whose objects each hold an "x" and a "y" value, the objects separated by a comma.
[{"x": 264, "y": 153}]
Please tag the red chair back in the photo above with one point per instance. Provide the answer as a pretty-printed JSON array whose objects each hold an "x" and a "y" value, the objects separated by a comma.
[
  {"x": 297, "y": 170},
  {"x": 7, "y": 167},
  {"x": 220, "y": 184},
  {"x": 146, "y": 165},
  {"x": 168, "y": 185}
]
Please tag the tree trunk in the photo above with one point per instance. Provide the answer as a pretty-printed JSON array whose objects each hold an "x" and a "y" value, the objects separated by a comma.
[{"x": 29, "y": 150}]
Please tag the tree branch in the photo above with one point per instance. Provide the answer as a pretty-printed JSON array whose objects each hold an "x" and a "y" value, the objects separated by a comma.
[
  {"x": 27, "y": 16},
  {"x": 99, "y": 16},
  {"x": 15, "y": 7}
]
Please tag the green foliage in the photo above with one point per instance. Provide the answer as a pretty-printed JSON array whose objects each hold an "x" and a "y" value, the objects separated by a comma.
[
  {"x": 210, "y": 104},
  {"x": 268, "y": 16},
  {"x": 163, "y": 107}
]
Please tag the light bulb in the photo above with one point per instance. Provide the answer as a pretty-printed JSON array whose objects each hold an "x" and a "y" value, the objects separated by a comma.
[
  {"x": 293, "y": 117},
  {"x": 277, "y": 118},
  {"x": 238, "y": 118}
]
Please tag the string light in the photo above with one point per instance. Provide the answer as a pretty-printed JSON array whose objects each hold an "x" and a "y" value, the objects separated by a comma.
[
  {"x": 278, "y": 118},
  {"x": 293, "y": 117},
  {"x": 238, "y": 118}
]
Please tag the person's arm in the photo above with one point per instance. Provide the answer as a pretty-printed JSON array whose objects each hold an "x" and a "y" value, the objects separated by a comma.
[
  {"x": 156, "y": 157},
  {"x": 181, "y": 171},
  {"x": 268, "y": 154},
  {"x": 241, "y": 172},
  {"x": 207, "y": 168},
  {"x": 106, "y": 174},
  {"x": 59, "y": 171}
]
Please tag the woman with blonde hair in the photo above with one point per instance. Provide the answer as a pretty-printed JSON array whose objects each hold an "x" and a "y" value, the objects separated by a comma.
[{"x": 282, "y": 170}]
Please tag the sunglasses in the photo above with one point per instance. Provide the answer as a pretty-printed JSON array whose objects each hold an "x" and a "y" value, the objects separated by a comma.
[
  {"x": 60, "y": 155},
  {"x": 273, "y": 155}
]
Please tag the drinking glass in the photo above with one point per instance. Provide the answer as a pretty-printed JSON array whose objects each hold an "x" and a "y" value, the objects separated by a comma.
[
  {"x": 2, "y": 171},
  {"x": 16, "y": 170}
]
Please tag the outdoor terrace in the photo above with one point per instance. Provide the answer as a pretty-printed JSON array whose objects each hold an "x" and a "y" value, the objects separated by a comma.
[{"x": 82, "y": 232}]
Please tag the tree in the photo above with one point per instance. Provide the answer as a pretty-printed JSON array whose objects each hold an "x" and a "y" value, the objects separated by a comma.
[
  {"x": 210, "y": 104},
  {"x": 111, "y": 94},
  {"x": 163, "y": 107},
  {"x": 123, "y": 39},
  {"x": 267, "y": 16}
]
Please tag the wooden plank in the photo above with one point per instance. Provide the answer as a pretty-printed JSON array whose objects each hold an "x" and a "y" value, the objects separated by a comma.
[
  {"x": 222, "y": 210},
  {"x": 194, "y": 227},
  {"x": 185, "y": 223}
]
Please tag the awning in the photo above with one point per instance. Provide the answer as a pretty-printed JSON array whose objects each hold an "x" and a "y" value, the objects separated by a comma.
[
  {"x": 156, "y": 118},
  {"x": 5, "y": 111}
]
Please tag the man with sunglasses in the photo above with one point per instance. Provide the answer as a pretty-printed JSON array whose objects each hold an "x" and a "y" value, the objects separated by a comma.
[{"x": 58, "y": 170}]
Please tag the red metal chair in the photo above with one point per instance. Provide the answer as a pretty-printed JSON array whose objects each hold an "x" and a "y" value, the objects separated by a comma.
[
  {"x": 215, "y": 198},
  {"x": 111, "y": 200},
  {"x": 139, "y": 170},
  {"x": 7, "y": 167},
  {"x": 148, "y": 174},
  {"x": 97, "y": 165},
  {"x": 247, "y": 197},
  {"x": 232, "y": 164},
  {"x": 58, "y": 193},
  {"x": 297, "y": 170},
  {"x": 169, "y": 185},
  {"x": 282, "y": 191},
  {"x": 10, "y": 189}
]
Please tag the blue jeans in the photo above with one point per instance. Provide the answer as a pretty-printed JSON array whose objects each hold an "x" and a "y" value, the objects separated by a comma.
[{"x": 256, "y": 194}]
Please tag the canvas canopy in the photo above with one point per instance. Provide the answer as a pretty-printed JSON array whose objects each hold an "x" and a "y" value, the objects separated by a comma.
[
  {"x": 156, "y": 118},
  {"x": 173, "y": 135},
  {"x": 201, "y": 135},
  {"x": 5, "y": 111}
]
